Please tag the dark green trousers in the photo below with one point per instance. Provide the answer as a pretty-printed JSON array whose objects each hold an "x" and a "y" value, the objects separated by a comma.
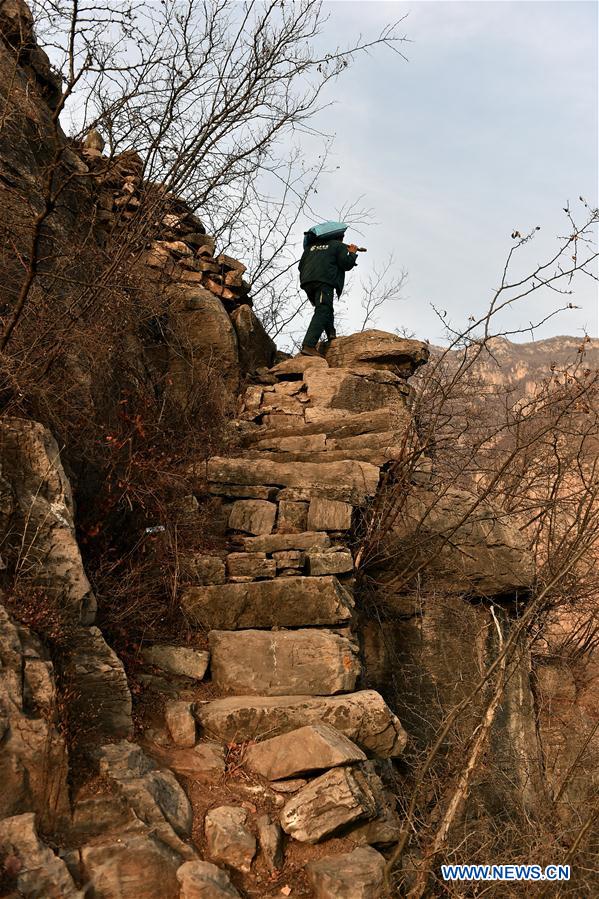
[{"x": 323, "y": 318}]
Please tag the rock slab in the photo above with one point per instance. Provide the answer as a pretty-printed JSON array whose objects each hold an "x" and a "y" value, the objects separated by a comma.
[
  {"x": 348, "y": 481},
  {"x": 271, "y": 603},
  {"x": 201, "y": 880},
  {"x": 353, "y": 875},
  {"x": 40, "y": 873},
  {"x": 179, "y": 660},
  {"x": 280, "y": 663},
  {"x": 309, "y": 748},
  {"x": 363, "y": 716},
  {"x": 229, "y": 840},
  {"x": 333, "y": 801}
]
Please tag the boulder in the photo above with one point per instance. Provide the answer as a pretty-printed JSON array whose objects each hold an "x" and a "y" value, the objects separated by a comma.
[
  {"x": 364, "y": 717},
  {"x": 352, "y": 875},
  {"x": 203, "y": 334},
  {"x": 455, "y": 542},
  {"x": 101, "y": 700},
  {"x": 347, "y": 481},
  {"x": 310, "y": 748},
  {"x": 269, "y": 603},
  {"x": 228, "y": 839},
  {"x": 282, "y": 663},
  {"x": 178, "y": 660},
  {"x": 339, "y": 388},
  {"x": 33, "y": 758},
  {"x": 378, "y": 350},
  {"x": 329, "y": 515},
  {"x": 254, "y": 516},
  {"x": 154, "y": 794},
  {"x": 131, "y": 864},
  {"x": 434, "y": 657},
  {"x": 38, "y": 872},
  {"x": 180, "y": 722},
  {"x": 201, "y": 880},
  {"x": 256, "y": 348},
  {"x": 327, "y": 804},
  {"x": 270, "y": 837},
  {"x": 36, "y": 513}
]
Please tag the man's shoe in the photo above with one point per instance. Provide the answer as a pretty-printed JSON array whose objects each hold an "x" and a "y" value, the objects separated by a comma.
[{"x": 309, "y": 351}]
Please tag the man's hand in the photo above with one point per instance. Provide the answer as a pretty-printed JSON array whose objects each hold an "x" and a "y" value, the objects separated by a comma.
[{"x": 352, "y": 248}]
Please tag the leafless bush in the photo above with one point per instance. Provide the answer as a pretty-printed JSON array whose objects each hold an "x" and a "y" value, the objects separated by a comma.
[{"x": 528, "y": 460}]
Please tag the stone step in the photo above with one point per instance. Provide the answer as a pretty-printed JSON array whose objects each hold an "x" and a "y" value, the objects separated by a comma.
[
  {"x": 378, "y": 349},
  {"x": 347, "y": 480},
  {"x": 314, "y": 747},
  {"x": 364, "y": 717},
  {"x": 295, "y": 367},
  {"x": 370, "y": 456},
  {"x": 283, "y": 663},
  {"x": 270, "y": 543},
  {"x": 284, "y": 602},
  {"x": 340, "y": 423}
]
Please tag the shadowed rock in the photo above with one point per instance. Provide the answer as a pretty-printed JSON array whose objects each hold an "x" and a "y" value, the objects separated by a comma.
[
  {"x": 228, "y": 839},
  {"x": 201, "y": 880},
  {"x": 353, "y": 875},
  {"x": 29, "y": 730},
  {"x": 271, "y": 603}
]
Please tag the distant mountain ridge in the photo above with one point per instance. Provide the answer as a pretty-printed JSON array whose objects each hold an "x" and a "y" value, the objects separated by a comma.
[{"x": 525, "y": 364}]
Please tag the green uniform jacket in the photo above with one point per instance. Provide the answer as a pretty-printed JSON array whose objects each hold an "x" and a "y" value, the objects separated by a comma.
[{"x": 326, "y": 263}]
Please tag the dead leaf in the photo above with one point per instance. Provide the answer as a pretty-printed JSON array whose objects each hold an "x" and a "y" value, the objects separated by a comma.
[{"x": 286, "y": 891}]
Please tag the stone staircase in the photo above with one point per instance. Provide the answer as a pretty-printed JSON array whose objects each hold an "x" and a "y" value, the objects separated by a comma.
[
  {"x": 263, "y": 765},
  {"x": 279, "y": 613}
]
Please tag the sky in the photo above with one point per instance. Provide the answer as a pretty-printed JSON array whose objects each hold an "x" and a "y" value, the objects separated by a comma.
[{"x": 489, "y": 127}]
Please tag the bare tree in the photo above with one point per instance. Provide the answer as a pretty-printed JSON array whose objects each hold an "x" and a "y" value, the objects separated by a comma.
[
  {"x": 381, "y": 288},
  {"x": 526, "y": 459}
]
